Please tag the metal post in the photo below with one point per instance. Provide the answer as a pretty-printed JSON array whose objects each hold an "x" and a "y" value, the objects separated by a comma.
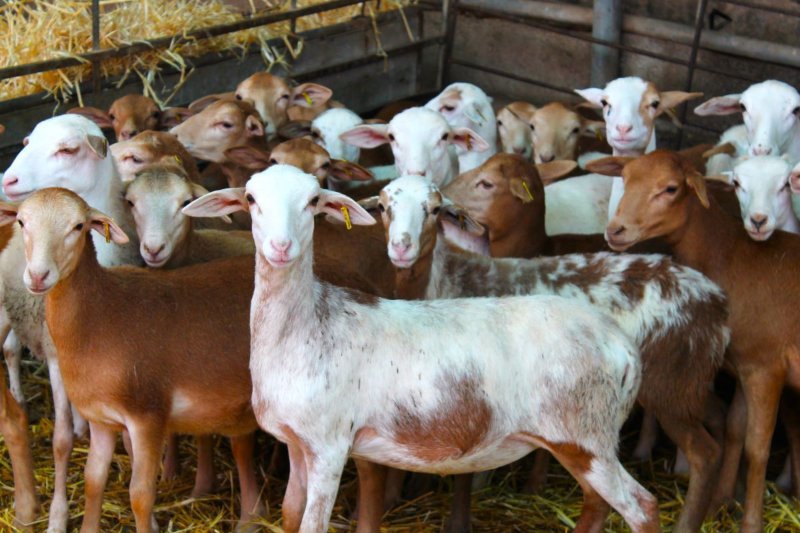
[
  {"x": 96, "y": 81},
  {"x": 448, "y": 29},
  {"x": 699, "y": 20},
  {"x": 606, "y": 26}
]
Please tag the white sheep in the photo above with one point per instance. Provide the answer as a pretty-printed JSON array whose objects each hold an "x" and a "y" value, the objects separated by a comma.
[
  {"x": 422, "y": 143},
  {"x": 66, "y": 151},
  {"x": 465, "y": 105},
  {"x": 508, "y": 375}
]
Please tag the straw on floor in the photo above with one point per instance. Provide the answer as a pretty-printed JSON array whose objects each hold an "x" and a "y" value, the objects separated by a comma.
[{"x": 498, "y": 507}]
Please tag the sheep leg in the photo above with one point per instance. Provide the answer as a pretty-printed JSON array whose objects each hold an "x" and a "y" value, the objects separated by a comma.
[
  {"x": 791, "y": 420},
  {"x": 371, "y": 488},
  {"x": 14, "y": 428},
  {"x": 608, "y": 479},
  {"x": 648, "y": 436},
  {"x": 147, "y": 438},
  {"x": 394, "y": 488},
  {"x": 460, "y": 515},
  {"x": 243, "y": 448},
  {"x": 537, "y": 478},
  {"x": 12, "y": 352},
  {"x": 62, "y": 448},
  {"x": 784, "y": 480},
  {"x": 704, "y": 456},
  {"x": 294, "y": 500},
  {"x": 171, "y": 459},
  {"x": 205, "y": 477},
  {"x": 324, "y": 475},
  {"x": 762, "y": 392},
  {"x": 732, "y": 450},
  {"x": 102, "y": 441}
]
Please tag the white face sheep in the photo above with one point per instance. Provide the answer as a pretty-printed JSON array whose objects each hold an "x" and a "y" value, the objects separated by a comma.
[
  {"x": 763, "y": 189},
  {"x": 465, "y": 105},
  {"x": 421, "y": 141},
  {"x": 375, "y": 367},
  {"x": 771, "y": 113},
  {"x": 675, "y": 329}
]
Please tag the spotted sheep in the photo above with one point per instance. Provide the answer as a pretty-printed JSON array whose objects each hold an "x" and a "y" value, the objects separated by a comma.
[
  {"x": 337, "y": 373},
  {"x": 675, "y": 315},
  {"x": 665, "y": 197}
]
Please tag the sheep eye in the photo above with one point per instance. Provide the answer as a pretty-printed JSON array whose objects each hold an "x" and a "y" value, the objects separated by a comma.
[
  {"x": 112, "y": 117},
  {"x": 314, "y": 134},
  {"x": 672, "y": 189},
  {"x": 79, "y": 227},
  {"x": 314, "y": 201},
  {"x": 604, "y": 102},
  {"x": 736, "y": 184},
  {"x": 391, "y": 137},
  {"x": 796, "y": 111},
  {"x": 533, "y": 128},
  {"x": 499, "y": 122},
  {"x": 238, "y": 96},
  {"x": 576, "y": 130},
  {"x": 326, "y": 165},
  {"x": 68, "y": 151},
  {"x": 435, "y": 210},
  {"x": 21, "y": 224},
  {"x": 156, "y": 114},
  {"x": 186, "y": 202},
  {"x": 273, "y": 161},
  {"x": 250, "y": 199},
  {"x": 130, "y": 203},
  {"x": 743, "y": 108},
  {"x": 655, "y": 104},
  {"x": 448, "y": 108},
  {"x": 381, "y": 208},
  {"x": 226, "y": 125},
  {"x": 486, "y": 185},
  {"x": 444, "y": 137},
  {"x": 284, "y": 97}
]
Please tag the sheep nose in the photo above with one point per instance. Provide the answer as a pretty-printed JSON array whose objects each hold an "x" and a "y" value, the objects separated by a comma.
[
  {"x": 519, "y": 150},
  {"x": 547, "y": 158},
  {"x": 280, "y": 246},
  {"x": 401, "y": 247},
  {"x": 624, "y": 128},
  {"x": 37, "y": 280},
  {"x": 126, "y": 135},
  {"x": 619, "y": 230},
  {"x": 153, "y": 251},
  {"x": 759, "y": 220},
  {"x": 10, "y": 179},
  {"x": 762, "y": 150}
]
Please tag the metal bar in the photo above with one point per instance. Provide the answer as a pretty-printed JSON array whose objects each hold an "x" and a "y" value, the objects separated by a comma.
[
  {"x": 96, "y": 80},
  {"x": 760, "y": 7},
  {"x": 582, "y": 37},
  {"x": 764, "y": 51},
  {"x": 448, "y": 25},
  {"x": 606, "y": 26},
  {"x": 699, "y": 20},
  {"x": 163, "y": 42},
  {"x": 517, "y": 77}
]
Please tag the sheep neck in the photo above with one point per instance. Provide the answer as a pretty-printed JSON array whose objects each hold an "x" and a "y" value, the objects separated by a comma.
[
  {"x": 283, "y": 296},
  {"x": 705, "y": 229},
  {"x": 412, "y": 283}
]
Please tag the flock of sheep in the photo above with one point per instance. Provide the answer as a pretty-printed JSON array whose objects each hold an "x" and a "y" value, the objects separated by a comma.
[{"x": 485, "y": 319}]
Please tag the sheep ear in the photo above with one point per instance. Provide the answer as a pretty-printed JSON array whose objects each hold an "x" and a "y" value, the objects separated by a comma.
[
  {"x": 310, "y": 95},
  {"x": 608, "y": 166},
  {"x": 98, "y": 145},
  {"x": 202, "y": 103},
  {"x": 592, "y": 128},
  {"x": 294, "y": 129},
  {"x": 724, "y": 148},
  {"x": 248, "y": 156},
  {"x": 98, "y": 116},
  {"x": 367, "y": 136},
  {"x": 370, "y": 204},
  {"x": 333, "y": 204},
  {"x": 254, "y": 126},
  {"x": 474, "y": 113},
  {"x": 105, "y": 226},
  {"x": 722, "y": 177},
  {"x": 218, "y": 203},
  {"x": 552, "y": 171},
  {"x": 8, "y": 213},
  {"x": 697, "y": 183},
  {"x": 199, "y": 191},
  {"x": 347, "y": 171},
  {"x": 468, "y": 140},
  {"x": 518, "y": 189},
  {"x": 172, "y": 116},
  {"x": 459, "y": 217},
  {"x": 720, "y": 105},
  {"x": 592, "y": 95},
  {"x": 671, "y": 99}
]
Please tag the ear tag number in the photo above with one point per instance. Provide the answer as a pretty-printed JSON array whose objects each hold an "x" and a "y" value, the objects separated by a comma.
[{"x": 346, "y": 214}]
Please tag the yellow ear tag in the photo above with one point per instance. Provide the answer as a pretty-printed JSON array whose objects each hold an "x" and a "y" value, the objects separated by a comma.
[
  {"x": 309, "y": 101},
  {"x": 347, "y": 171},
  {"x": 598, "y": 134},
  {"x": 469, "y": 142},
  {"x": 108, "y": 233},
  {"x": 177, "y": 159},
  {"x": 346, "y": 213},
  {"x": 527, "y": 190},
  {"x": 461, "y": 221}
]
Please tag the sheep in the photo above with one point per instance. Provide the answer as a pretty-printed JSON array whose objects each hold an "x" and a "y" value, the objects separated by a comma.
[
  {"x": 68, "y": 151},
  {"x": 771, "y": 113},
  {"x": 421, "y": 141},
  {"x": 132, "y": 114},
  {"x": 513, "y": 129},
  {"x": 666, "y": 197},
  {"x": 763, "y": 189},
  {"x": 680, "y": 332},
  {"x": 151, "y": 147},
  {"x": 556, "y": 131},
  {"x": 131, "y": 358},
  {"x": 465, "y": 105},
  {"x": 272, "y": 98},
  {"x": 472, "y": 406},
  {"x": 630, "y": 107}
]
